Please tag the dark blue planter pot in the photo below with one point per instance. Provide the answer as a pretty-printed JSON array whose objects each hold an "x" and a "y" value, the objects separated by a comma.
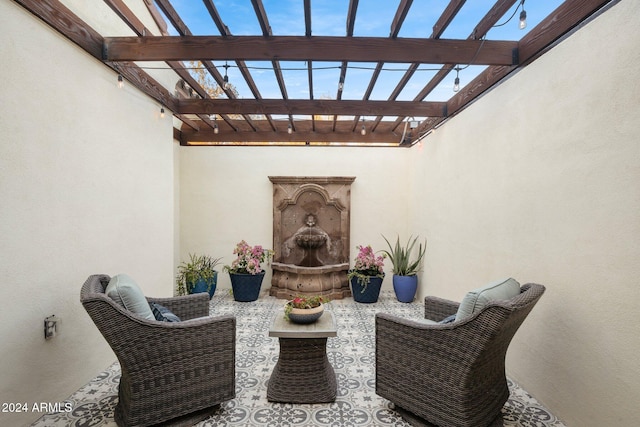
[
  {"x": 203, "y": 285},
  {"x": 366, "y": 294},
  {"x": 405, "y": 287},
  {"x": 246, "y": 287}
]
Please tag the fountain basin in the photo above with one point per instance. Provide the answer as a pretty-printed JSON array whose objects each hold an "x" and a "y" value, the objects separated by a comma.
[
  {"x": 291, "y": 280},
  {"x": 310, "y": 241}
]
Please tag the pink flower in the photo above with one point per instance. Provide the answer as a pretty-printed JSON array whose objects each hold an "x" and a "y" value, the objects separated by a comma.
[
  {"x": 249, "y": 258},
  {"x": 367, "y": 262}
]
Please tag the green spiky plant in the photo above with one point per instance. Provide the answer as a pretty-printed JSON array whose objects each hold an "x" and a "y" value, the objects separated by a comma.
[
  {"x": 400, "y": 256},
  {"x": 198, "y": 267}
]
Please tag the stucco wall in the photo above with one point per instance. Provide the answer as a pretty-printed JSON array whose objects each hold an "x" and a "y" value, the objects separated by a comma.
[
  {"x": 539, "y": 181},
  {"x": 226, "y": 195},
  {"x": 86, "y": 186}
]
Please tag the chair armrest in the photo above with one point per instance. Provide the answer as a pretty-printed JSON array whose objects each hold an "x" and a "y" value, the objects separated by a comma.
[
  {"x": 150, "y": 342},
  {"x": 438, "y": 308},
  {"x": 411, "y": 344},
  {"x": 186, "y": 306}
]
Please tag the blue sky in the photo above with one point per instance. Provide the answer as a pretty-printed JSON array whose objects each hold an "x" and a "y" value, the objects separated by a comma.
[{"x": 373, "y": 19}]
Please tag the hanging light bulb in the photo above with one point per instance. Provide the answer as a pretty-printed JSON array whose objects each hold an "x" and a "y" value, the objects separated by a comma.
[
  {"x": 523, "y": 17},
  {"x": 289, "y": 130},
  {"x": 363, "y": 131},
  {"x": 456, "y": 82},
  {"x": 120, "y": 81},
  {"x": 215, "y": 123},
  {"x": 341, "y": 84},
  {"x": 226, "y": 84},
  {"x": 162, "y": 112}
]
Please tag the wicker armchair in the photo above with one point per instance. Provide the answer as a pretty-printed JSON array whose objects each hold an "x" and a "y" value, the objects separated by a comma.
[
  {"x": 171, "y": 372},
  {"x": 450, "y": 374}
]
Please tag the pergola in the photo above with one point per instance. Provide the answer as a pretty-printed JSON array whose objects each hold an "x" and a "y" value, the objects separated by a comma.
[{"x": 221, "y": 117}]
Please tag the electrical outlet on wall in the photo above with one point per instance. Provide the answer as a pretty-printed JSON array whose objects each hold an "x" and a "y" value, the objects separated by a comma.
[{"x": 51, "y": 326}]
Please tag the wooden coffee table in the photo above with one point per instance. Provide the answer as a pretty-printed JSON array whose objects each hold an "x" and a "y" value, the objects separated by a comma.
[{"x": 303, "y": 373}]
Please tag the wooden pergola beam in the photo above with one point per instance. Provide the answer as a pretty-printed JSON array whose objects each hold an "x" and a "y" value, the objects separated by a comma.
[
  {"x": 552, "y": 28},
  {"x": 298, "y": 48},
  {"x": 188, "y": 137},
  {"x": 311, "y": 107},
  {"x": 63, "y": 20}
]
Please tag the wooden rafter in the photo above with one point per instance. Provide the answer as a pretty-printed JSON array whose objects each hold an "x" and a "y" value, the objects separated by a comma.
[
  {"x": 298, "y": 48},
  {"x": 554, "y": 26},
  {"x": 396, "y": 24},
  {"x": 308, "y": 107},
  {"x": 480, "y": 31},
  {"x": 445, "y": 19},
  {"x": 249, "y": 121},
  {"x": 210, "y": 66},
  {"x": 261, "y": 14}
]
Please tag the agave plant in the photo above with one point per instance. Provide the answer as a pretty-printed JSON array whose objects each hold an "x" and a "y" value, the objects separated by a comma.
[{"x": 400, "y": 256}]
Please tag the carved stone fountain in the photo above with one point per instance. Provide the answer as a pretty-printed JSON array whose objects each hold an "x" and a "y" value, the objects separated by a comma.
[{"x": 311, "y": 225}]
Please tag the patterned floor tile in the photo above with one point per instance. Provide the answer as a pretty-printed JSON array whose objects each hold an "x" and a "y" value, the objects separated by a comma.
[{"x": 351, "y": 353}]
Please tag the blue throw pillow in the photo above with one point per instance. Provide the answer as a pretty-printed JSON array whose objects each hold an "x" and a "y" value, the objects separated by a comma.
[
  {"x": 162, "y": 313},
  {"x": 448, "y": 319}
]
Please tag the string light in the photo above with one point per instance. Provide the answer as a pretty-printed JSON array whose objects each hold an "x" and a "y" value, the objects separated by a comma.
[
  {"x": 289, "y": 130},
  {"x": 215, "y": 125},
  {"x": 226, "y": 84},
  {"x": 120, "y": 81},
  {"x": 456, "y": 82},
  {"x": 341, "y": 84},
  {"x": 523, "y": 17},
  {"x": 363, "y": 131},
  {"x": 162, "y": 112}
]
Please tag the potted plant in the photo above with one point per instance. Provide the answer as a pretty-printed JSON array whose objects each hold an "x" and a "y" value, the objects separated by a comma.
[
  {"x": 304, "y": 309},
  {"x": 367, "y": 275},
  {"x": 197, "y": 275},
  {"x": 405, "y": 280},
  {"x": 246, "y": 271}
]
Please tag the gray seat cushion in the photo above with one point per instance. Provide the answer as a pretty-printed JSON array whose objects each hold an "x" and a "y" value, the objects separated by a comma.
[
  {"x": 477, "y": 299},
  {"x": 126, "y": 292}
]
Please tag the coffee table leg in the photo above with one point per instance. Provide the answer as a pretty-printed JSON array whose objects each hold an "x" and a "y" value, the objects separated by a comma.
[{"x": 303, "y": 373}]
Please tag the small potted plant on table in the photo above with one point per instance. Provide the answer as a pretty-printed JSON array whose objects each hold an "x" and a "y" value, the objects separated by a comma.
[
  {"x": 197, "y": 275},
  {"x": 304, "y": 309},
  {"x": 405, "y": 269},
  {"x": 367, "y": 275},
  {"x": 246, "y": 271}
]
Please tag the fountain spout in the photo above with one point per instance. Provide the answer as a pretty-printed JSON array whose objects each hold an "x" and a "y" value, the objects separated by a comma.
[{"x": 310, "y": 238}]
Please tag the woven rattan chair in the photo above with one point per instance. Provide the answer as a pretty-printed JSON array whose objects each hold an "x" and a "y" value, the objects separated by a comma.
[
  {"x": 171, "y": 372},
  {"x": 450, "y": 374}
]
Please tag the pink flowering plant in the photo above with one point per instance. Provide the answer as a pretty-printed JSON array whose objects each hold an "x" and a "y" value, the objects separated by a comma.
[
  {"x": 249, "y": 259},
  {"x": 304, "y": 302},
  {"x": 367, "y": 265}
]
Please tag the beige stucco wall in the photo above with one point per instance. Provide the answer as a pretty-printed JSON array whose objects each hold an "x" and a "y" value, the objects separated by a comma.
[
  {"x": 226, "y": 195},
  {"x": 86, "y": 186},
  {"x": 539, "y": 180}
]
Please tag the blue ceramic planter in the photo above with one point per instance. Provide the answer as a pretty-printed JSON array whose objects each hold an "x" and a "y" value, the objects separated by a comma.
[
  {"x": 405, "y": 287},
  {"x": 369, "y": 294},
  {"x": 246, "y": 287},
  {"x": 203, "y": 285}
]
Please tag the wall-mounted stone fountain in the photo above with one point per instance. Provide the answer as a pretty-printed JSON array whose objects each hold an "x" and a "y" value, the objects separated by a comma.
[{"x": 311, "y": 225}]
